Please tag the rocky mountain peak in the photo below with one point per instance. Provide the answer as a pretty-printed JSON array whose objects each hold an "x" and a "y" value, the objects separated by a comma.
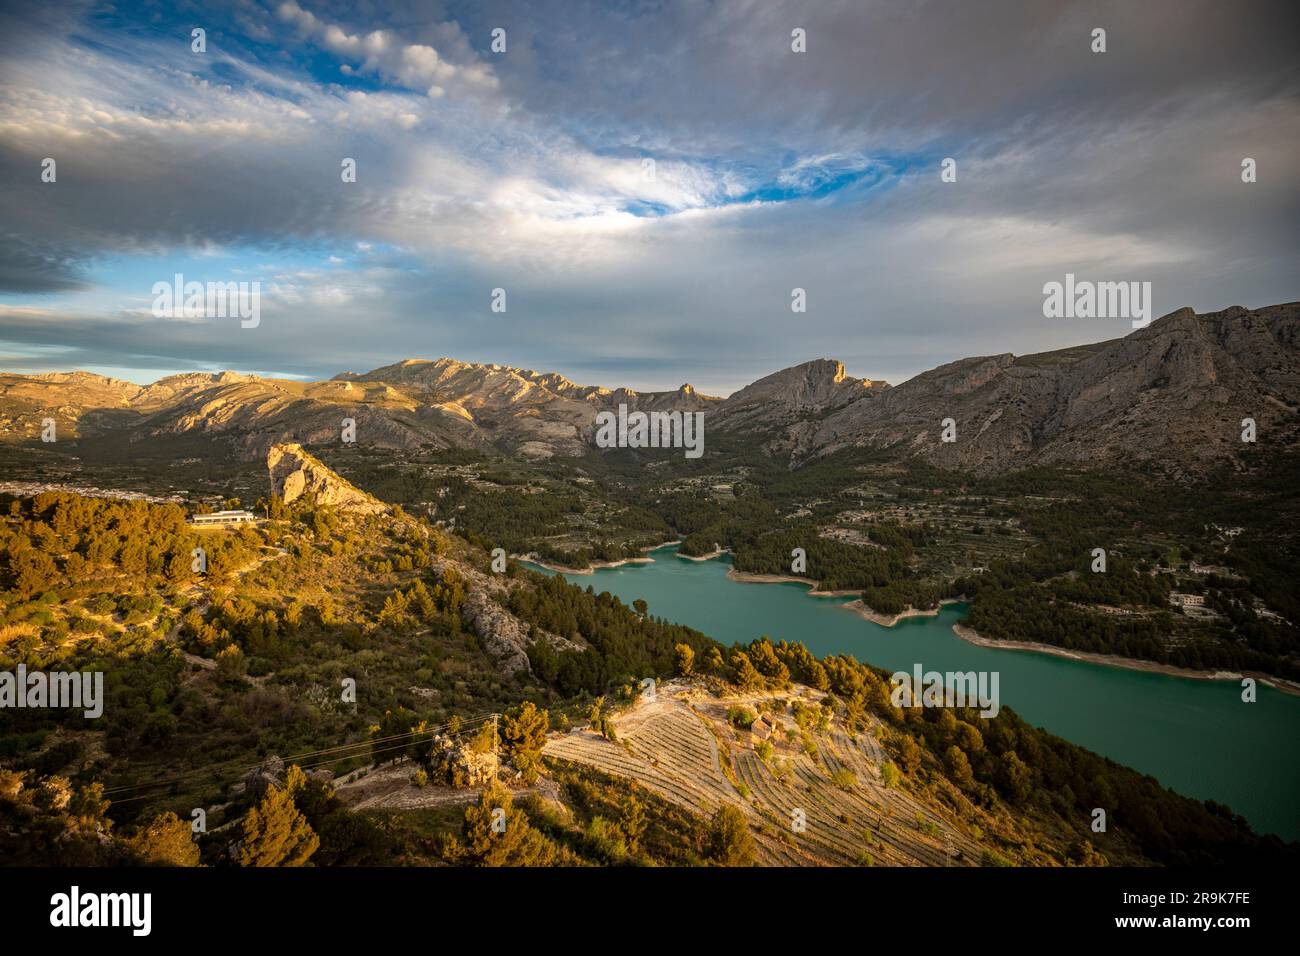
[
  {"x": 821, "y": 383},
  {"x": 296, "y": 473}
]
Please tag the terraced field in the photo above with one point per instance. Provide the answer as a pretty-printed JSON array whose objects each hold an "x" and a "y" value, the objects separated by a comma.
[
  {"x": 681, "y": 747},
  {"x": 667, "y": 749}
]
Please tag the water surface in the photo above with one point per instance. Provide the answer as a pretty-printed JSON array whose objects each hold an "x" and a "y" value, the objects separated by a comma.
[{"x": 1195, "y": 736}]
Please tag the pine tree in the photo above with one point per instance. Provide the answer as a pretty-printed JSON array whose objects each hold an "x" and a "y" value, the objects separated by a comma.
[
  {"x": 166, "y": 841},
  {"x": 632, "y": 822},
  {"x": 487, "y": 843},
  {"x": 959, "y": 771},
  {"x": 523, "y": 733},
  {"x": 729, "y": 839},
  {"x": 684, "y": 659},
  {"x": 276, "y": 834}
]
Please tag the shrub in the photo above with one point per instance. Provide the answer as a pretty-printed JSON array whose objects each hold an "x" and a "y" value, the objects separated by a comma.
[
  {"x": 740, "y": 717},
  {"x": 889, "y": 774},
  {"x": 844, "y": 779}
]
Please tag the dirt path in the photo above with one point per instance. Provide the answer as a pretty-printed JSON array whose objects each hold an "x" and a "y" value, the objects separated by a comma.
[{"x": 390, "y": 787}]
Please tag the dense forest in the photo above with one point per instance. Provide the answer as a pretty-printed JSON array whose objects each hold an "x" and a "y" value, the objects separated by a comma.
[{"x": 625, "y": 643}]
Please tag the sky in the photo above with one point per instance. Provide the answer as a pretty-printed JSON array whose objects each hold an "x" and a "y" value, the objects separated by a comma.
[{"x": 648, "y": 182}]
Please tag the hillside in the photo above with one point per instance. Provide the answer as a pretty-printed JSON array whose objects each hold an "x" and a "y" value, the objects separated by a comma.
[{"x": 457, "y": 673}]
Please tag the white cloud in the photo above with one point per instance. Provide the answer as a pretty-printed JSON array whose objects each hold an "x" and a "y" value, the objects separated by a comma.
[{"x": 382, "y": 52}]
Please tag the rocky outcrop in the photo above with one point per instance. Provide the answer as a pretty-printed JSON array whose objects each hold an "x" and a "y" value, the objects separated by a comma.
[
  {"x": 269, "y": 773},
  {"x": 295, "y": 474},
  {"x": 813, "y": 386},
  {"x": 504, "y": 636},
  {"x": 454, "y": 763}
]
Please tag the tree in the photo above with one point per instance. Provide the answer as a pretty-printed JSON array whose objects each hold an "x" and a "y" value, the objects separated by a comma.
[
  {"x": 523, "y": 734},
  {"x": 231, "y": 665},
  {"x": 958, "y": 767},
  {"x": 713, "y": 660},
  {"x": 485, "y": 739},
  {"x": 729, "y": 839},
  {"x": 889, "y": 774},
  {"x": 747, "y": 678},
  {"x": 1083, "y": 853},
  {"x": 969, "y": 738},
  {"x": 178, "y": 567},
  {"x": 386, "y": 745},
  {"x": 1014, "y": 777},
  {"x": 684, "y": 659},
  {"x": 34, "y": 572},
  {"x": 494, "y": 833},
  {"x": 417, "y": 750},
  {"x": 765, "y": 661},
  {"x": 909, "y": 754},
  {"x": 166, "y": 841},
  {"x": 632, "y": 822},
  {"x": 88, "y": 806},
  {"x": 276, "y": 834}
]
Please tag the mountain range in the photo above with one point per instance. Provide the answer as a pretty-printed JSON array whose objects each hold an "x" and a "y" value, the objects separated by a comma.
[{"x": 1175, "y": 393}]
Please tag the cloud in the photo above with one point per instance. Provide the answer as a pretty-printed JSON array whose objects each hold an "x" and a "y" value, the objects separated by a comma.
[
  {"x": 528, "y": 172},
  {"x": 413, "y": 65}
]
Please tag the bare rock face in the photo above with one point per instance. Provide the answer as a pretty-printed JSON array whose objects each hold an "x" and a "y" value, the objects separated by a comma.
[
  {"x": 269, "y": 773},
  {"x": 504, "y": 636},
  {"x": 295, "y": 473},
  {"x": 1174, "y": 393},
  {"x": 811, "y": 389},
  {"x": 456, "y": 765}
]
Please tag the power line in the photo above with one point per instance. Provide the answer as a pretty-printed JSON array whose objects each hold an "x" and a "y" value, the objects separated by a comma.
[
  {"x": 240, "y": 772},
  {"x": 401, "y": 746}
]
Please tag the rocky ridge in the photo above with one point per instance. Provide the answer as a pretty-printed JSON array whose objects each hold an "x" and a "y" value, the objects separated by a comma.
[{"x": 1173, "y": 393}]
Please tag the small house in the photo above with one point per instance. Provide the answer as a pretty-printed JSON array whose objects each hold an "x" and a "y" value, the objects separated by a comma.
[{"x": 222, "y": 519}]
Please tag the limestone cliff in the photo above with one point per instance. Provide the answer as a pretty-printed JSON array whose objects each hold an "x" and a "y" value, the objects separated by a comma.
[{"x": 295, "y": 473}]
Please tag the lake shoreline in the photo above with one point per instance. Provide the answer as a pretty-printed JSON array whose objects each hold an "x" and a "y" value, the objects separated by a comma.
[
  {"x": 864, "y": 610},
  {"x": 594, "y": 566},
  {"x": 749, "y": 577},
  {"x": 704, "y": 557},
  {"x": 971, "y": 636},
  {"x": 858, "y": 607}
]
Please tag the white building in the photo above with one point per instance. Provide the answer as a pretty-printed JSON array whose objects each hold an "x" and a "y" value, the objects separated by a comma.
[{"x": 220, "y": 519}]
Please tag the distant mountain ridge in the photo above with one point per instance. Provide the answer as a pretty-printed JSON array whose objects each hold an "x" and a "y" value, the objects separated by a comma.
[{"x": 1175, "y": 392}]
